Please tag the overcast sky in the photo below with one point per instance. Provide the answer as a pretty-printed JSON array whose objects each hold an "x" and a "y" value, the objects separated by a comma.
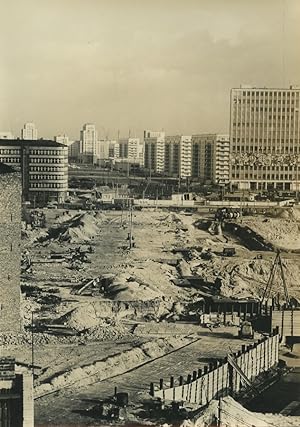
[{"x": 135, "y": 64}]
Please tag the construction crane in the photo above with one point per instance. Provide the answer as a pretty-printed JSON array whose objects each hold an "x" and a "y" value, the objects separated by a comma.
[{"x": 267, "y": 292}]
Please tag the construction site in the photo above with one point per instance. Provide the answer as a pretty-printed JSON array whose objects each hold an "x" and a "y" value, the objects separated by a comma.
[{"x": 154, "y": 316}]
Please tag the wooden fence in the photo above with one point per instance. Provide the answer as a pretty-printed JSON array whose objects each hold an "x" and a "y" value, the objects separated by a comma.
[
  {"x": 288, "y": 322},
  {"x": 220, "y": 378}
]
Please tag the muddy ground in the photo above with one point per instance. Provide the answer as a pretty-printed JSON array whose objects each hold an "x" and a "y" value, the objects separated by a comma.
[{"x": 136, "y": 286}]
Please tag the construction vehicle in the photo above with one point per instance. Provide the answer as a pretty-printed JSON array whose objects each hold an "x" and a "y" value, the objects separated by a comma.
[{"x": 246, "y": 330}]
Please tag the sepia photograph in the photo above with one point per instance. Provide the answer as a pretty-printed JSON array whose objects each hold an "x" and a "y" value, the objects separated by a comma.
[{"x": 150, "y": 213}]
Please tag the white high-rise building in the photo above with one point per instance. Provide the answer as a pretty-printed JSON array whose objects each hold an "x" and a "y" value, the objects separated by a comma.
[
  {"x": 178, "y": 156},
  {"x": 88, "y": 139},
  {"x": 29, "y": 132},
  {"x": 154, "y": 151},
  {"x": 265, "y": 139},
  {"x": 63, "y": 139},
  {"x": 131, "y": 149}
]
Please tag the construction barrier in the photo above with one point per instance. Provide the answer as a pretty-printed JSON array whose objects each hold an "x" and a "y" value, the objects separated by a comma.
[
  {"x": 288, "y": 322},
  {"x": 223, "y": 377}
]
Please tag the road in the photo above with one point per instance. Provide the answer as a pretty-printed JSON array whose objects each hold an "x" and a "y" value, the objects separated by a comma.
[{"x": 70, "y": 404}]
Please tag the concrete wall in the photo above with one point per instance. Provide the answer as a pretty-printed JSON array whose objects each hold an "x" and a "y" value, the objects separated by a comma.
[
  {"x": 10, "y": 239},
  {"x": 219, "y": 379}
]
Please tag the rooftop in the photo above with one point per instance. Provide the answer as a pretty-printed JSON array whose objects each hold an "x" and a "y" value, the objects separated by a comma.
[{"x": 31, "y": 143}]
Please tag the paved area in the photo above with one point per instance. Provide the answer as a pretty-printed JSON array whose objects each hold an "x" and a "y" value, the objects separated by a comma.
[{"x": 70, "y": 404}]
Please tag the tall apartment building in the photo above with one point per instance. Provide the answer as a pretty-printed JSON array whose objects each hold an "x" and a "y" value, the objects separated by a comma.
[
  {"x": 203, "y": 157},
  {"x": 154, "y": 155},
  {"x": 29, "y": 132},
  {"x": 88, "y": 142},
  {"x": 102, "y": 150},
  {"x": 210, "y": 158},
  {"x": 264, "y": 138},
  {"x": 62, "y": 139},
  {"x": 221, "y": 160},
  {"x": 74, "y": 150},
  {"x": 178, "y": 156},
  {"x": 114, "y": 150},
  {"x": 43, "y": 165},
  {"x": 10, "y": 255},
  {"x": 131, "y": 149}
]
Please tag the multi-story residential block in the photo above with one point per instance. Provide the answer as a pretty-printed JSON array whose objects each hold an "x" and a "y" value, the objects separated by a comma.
[
  {"x": 62, "y": 139},
  {"x": 43, "y": 165},
  {"x": 264, "y": 138},
  {"x": 29, "y": 132},
  {"x": 154, "y": 156},
  {"x": 102, "y": 150},
  {"x": 210, "y": 158},
  {"x": 131, "y": 149},
  {"x": 178, "y": 156},
  {"x": 203, "y": 157},
  {"x": 221, "y": 151},
  {"x": 74, "y": 150},
  {"x": 114, "y": 150},
  {"x": 88, "y": 143}
]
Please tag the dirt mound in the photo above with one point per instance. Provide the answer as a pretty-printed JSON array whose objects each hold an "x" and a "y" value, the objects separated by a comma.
[
  {"x": 170, "y": 219},
  {"x": 100, "y": 217},
  {"x": 282, "y": 233},
  {"x": 234, "y": 415},
  {"x": 81, "y": 227},
  {"x": 287, "y": 213},
  {"x": 80, "y": 318},
  {"x": 127, "y": 288},
  {"x": 107, "y": 330}
]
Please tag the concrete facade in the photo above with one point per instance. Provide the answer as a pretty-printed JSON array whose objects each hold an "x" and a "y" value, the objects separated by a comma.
[
  {"x": 178, "y": 156},
  {"x": 88, "y": 140},
  {"x": 154, "y": 155},
  {"x": 29, "y": 132},
  {"x": 203, "y": 157},
  {"x": 44, "y": 168},
  {"x": 10, "y": 255},
  {"x": 221, "y": 160},
  {"x": 265, "y": 138}
]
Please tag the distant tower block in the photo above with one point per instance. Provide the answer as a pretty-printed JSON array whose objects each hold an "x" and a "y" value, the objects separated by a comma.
[{"x": 10, "y": 256}]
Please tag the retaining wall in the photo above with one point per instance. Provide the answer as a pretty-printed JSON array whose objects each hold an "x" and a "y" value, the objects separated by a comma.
[{"x": 219, "y": 378}]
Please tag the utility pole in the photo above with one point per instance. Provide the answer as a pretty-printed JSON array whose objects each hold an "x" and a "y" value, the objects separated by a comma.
[
  {"x": 219, "y": 411},
  {"x": 32, "y": 347},
  {"x": 131, "y": 227}
]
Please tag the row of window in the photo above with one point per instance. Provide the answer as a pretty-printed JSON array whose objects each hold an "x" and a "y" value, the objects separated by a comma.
[
  {"x": 274, "y": 140},
  {"x": 47, "y": 177},
  {"x": 45, "y": 169},
  {"x": 47, "y": 185},
  {"x": 10, "y": 160},
  {"x": 46, "y": 160},
  {"x": 279, "y": 124},
  {"x": 264, "y": 176},
  {"x": 10, "y": 151},
  {"x": 40, "y": 152},
  {"x": 264, "y": 168},
  {"x": 255, "y": 149},
  {"x": 275, "y": 94}
]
